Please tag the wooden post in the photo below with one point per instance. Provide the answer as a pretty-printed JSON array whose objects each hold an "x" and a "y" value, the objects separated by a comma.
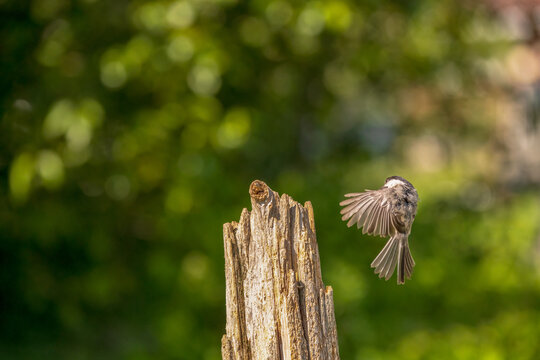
[{"x": 277, "y": 305}]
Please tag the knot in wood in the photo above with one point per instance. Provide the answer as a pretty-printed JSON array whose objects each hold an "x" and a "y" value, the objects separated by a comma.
[{"x": 259, "y": 191}]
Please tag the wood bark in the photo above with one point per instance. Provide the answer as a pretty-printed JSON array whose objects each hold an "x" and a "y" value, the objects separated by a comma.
[{"x": 277, "y": 305}]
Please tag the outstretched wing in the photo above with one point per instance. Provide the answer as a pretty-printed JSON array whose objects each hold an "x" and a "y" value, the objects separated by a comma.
[{"x": 372, "y": 211}]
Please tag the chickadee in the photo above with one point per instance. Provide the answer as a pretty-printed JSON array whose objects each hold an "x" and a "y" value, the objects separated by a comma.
[{"x": 389, "y": 211}]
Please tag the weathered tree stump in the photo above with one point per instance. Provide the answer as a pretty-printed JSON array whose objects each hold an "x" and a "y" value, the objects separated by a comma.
[{"x": 277, "y": 304}]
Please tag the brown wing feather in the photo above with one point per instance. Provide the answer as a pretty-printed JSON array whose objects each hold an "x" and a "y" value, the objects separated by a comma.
[{"x": 371, "y": 211}]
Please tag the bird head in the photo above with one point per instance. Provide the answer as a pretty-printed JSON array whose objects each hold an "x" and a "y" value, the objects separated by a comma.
[{"x": 396, "y": 180}]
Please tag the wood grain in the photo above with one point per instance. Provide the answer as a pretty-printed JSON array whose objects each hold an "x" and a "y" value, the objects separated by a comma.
[{"x": 277, "y": 304}]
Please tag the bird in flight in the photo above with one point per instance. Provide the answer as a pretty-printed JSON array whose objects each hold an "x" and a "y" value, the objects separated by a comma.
[{"x": 389, "y": 211}]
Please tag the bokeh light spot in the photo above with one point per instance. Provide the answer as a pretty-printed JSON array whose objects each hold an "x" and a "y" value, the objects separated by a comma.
[
  {"x": 206, "y": 109},
  {"x": 137, "y": 51},
  {"x": 22, "y": 105},
  {"x": 21, "y": 174},
  {"x": 59, "y": 119},
  {"x": 79, "y": 134},
  {"x": 180, "y": 49},
  {"x": 151, "y": 15},
  {"x": 234, "y": 129},
  {"x": 204, "y": 79},
  {"x": 426, "y": 153},
  {"x": 304, "y": 45},
  {"x": 56, "y": 38},
  {"x": 92, "y": 111},
  {"x": 310, "y": 22},
  {"x": 113, "y": 74},
  {"x": 195, "y": 266},
  {"x": 523, "y": 65},
  {"x": 342, "y": 81},
  {"x": 51, "y": 52},
  {"x": 337, "y": 15},
  {"x": 180, "y": 14},
  {"x": 50, "y": 168},
  {"x": 279, "y": 13}
]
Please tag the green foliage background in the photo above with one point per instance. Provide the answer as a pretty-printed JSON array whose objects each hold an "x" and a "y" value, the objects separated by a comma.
[{"x": 131, "y": 130}]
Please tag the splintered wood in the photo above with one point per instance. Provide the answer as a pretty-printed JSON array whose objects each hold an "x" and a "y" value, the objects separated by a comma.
[{"x": 277, "y": 305}]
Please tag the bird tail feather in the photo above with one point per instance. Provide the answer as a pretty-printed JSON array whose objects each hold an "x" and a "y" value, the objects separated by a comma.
[{"x": 395, "y": 252}]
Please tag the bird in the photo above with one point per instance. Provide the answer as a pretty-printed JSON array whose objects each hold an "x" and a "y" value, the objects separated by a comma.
[{"x": 388, "y": 211}]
